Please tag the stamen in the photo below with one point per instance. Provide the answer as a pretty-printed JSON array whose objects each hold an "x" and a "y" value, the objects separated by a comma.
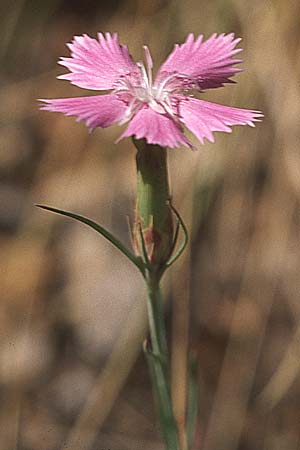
[
  {"x": 164, "y": 83},
  {"x": 149, "y": 63},
  {"x": 144, "y": 74},
  {"x": 130, "y": 111},
  {"x": 168, "y": 107},
  {"x": 183, "y": 83},
  {"x": 122, "y": 84},
  {"x": 159, "y": 108}
]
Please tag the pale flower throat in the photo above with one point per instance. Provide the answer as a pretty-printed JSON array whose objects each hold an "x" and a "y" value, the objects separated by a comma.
[{"x": 141, "y": 90}]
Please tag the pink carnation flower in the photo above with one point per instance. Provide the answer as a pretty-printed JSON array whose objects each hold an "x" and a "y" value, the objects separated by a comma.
[{"x": 155, "y": 110}]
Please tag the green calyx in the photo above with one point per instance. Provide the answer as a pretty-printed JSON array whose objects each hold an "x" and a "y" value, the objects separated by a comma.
[{"x": 153, "y": 215}]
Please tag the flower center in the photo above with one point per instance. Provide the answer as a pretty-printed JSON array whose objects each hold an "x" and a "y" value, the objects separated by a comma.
[
  {"x": 143, "y": 91},
  {"x": 146, "y": 92}
]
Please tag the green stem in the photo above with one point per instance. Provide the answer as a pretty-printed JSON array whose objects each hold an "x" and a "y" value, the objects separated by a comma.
[
  {"x": 154, "y": 242},
  {"x": 156, "y": 319},
  {"x": 159, "y": 366}
]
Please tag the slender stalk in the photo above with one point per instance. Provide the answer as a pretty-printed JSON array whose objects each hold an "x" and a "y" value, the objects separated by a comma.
[
  {"x": 154, "y": 242},
  {"x": 156, "y": 319},
  {"x": 159, "y": 365}
]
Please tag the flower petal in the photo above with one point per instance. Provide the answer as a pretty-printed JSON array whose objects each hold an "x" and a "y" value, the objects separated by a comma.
[
  {"x": 98, "y": 64},
  {"x": 202, "y": 118},
  {"x": 207, "y": 64},
  {"x": 156, "y": 128},
  {"x": 97, "y": 111}
]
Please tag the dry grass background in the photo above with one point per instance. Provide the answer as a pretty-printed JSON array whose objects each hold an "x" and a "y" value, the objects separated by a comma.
[{"x": 72, "y": 313}]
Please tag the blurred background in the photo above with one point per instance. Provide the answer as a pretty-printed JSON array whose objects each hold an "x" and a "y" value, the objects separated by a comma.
[{"x": 72, "y": 311}]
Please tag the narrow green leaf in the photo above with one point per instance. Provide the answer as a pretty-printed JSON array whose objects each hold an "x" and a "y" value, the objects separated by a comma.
[{"x": 106, "y": 234}]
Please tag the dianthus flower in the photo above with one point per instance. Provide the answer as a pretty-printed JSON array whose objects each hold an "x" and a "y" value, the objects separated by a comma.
[{"x": 155, "y": 110}]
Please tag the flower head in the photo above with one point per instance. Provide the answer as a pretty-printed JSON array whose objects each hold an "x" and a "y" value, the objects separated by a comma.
[{"x": 156, "y": 110}]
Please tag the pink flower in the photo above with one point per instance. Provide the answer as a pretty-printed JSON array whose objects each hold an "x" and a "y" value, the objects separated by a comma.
[{"x": 155, "y": 110}]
